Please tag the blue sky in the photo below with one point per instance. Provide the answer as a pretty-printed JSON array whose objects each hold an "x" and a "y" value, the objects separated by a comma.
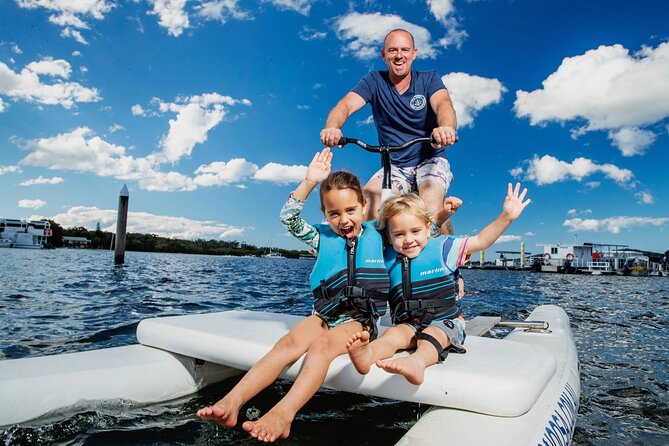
[{"x": 210, "y": 110}]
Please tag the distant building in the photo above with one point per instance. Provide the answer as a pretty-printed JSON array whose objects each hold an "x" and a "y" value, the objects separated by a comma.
[{"x": 76, "y": 242}]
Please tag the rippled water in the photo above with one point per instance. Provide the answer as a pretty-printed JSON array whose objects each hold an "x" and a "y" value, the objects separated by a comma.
[{"x": 71, "y": 300}]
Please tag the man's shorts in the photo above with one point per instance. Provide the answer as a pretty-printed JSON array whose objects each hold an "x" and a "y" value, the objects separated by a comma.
[{"x": 408, "y": 179}]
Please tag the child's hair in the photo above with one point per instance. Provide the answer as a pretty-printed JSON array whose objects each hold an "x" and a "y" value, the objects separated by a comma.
[
  {"x": 340, "y": 180},
  {"x": 407, "y": 203}
]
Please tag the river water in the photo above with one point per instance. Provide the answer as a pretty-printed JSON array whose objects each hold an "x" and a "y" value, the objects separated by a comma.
[{"x": 57, "y": 301}]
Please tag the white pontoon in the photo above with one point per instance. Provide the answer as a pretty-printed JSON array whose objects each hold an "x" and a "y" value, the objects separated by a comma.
[{"x": 519, "y": 390}]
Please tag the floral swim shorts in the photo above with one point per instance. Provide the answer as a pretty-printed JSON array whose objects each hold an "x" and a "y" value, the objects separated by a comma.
[{"x": 407, "y": 179}]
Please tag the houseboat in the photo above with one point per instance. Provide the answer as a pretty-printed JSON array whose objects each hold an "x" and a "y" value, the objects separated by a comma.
[{"x": 27, "y": 234}]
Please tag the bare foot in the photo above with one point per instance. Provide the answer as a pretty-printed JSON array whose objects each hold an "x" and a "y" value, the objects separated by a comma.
[
  {"x": 359, "y": 351},
  {"x": 272, "y": 426},
  {"x": 224, "y": 412},
  {"x": 408, "y": 367}
]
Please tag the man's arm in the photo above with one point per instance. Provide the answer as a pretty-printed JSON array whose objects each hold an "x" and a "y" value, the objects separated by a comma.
[
  {"x": 444, "y": 135},
  {"x": 348, "y": 105}
]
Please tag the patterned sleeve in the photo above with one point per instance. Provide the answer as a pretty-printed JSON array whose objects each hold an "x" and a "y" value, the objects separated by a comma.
[
  {"x": 455, "y": 252},
  {"x": 296, "y": 225}
]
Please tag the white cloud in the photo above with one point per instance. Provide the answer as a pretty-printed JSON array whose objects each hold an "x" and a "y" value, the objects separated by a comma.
[
  {"x": 367, "y": 31},
  {"x": 613, "y": 224},
  {"x": 311, "y": 34},
  {"x": 42, "y": 180},
  {"x": 172, "y": 15},
  {"x": 146, "y": 223},
  {"x": 221, "y": 10},
  {"x": 137, "y": 110},
  {"x": 221, "y": 173},
  {"x": 571, "y": 212},
  {"x": 443, "y": 11},
  {"x": 70, "y": 14},
  {"x": 593, "y": 184},
  {"x": 644, "y": 197},
  {"x": 115, "y": 128},
  {"x": 607, "y": 88},
  {"x": 301, "y": 6},
  {"x": 2, "y": 105},
  {"x": 189, "y": 128},
  {"x": 16, "y": 49},
  {"x": 549, "y": 170},
  {"x": 27, "y": 86},
  {"x": 632, "y": 140},
  {"x": 369, "y": 120},
  {"x": 470, "y": 94},
  {"x": 509, "y": 238},
  {"x": 529, "y": 234},
  {"x": 32, "y": 204},
  {"x": 281, "y": 174},
  {"x": 9, "y": 169}
]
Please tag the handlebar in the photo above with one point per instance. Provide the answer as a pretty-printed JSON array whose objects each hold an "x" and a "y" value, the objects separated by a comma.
[{"x": 385, "y": 149}]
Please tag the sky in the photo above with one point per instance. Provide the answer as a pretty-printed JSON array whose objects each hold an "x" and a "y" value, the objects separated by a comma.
[{"x": 210, "y": 110}]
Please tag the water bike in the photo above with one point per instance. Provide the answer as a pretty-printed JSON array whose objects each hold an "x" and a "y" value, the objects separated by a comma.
[{"x": 522, "y": 389}]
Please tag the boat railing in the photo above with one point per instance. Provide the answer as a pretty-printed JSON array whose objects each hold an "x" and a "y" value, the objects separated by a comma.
[{"x": 599, "y": 266}]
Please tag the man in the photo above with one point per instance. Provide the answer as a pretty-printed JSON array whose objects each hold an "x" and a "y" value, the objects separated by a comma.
[{"x": 405, "y": 104}]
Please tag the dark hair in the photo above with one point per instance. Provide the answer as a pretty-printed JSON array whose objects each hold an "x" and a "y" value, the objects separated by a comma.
[
  {"x": 340, "y": 180},
  {"x": 413, "y": 42}
]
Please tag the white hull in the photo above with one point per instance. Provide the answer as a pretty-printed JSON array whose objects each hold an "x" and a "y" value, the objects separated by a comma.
[{"x": 33, "y": 388}]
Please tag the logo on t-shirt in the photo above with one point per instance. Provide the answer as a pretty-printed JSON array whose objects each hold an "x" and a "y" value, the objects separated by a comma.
[{"x": 418, "y": 102}]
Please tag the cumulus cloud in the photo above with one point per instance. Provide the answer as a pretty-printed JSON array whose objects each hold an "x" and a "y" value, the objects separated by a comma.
[
  {"x": 644, "y": 197},
  {"x": 9, "y": 169},
  {"x": 364, "y": 34},
  {"x": 71, "y": 15},
  {"x": 27, "y": 85},
  {"x": 32, "y": 204},
  {"x": 42, "y": 180},
  {"x": 81, "y": 150},
  {"x": 221, "y": 10},
  {"x": 311, "y": 34},
  {"x": 171, "y": 15},
  {"x": 3, "y": 106},
  {"x": 301, "y": 6},
  {"x": 549, "y": 170},
  {"x": 137, "y": 110},
  {"x": 279, "y": 173},
  {"x": 221, "y": 173},
  {"x": 146, "y": 223},
  {"x": 471, "y": 93},
  {"x": 632, "y": 140},
  {"x": 509, "y": 238},
  {"x": 443, "y": 11},
  {"x": 609, "y": 89},
  {"x": 613, "y": 224}
]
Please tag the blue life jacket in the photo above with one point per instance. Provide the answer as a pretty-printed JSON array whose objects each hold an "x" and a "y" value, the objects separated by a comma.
[
  {"x": 422, "y": 289},
  {"x": 349, "y": 273}
]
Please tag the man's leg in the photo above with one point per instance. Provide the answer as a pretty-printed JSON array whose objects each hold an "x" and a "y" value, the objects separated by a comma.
[
  {"x": 372, "y": 193},
  {"x": 433, "y": 178}
]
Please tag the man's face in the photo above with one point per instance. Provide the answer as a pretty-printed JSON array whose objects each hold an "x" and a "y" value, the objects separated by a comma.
[{"x": 399, "y": 53}]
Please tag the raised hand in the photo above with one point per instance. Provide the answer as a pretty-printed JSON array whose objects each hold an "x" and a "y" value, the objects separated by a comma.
[
  {"x": 513, "y": 203},
  {"x": 320, "y": 166},
  {"x": 451, "y": 206}
]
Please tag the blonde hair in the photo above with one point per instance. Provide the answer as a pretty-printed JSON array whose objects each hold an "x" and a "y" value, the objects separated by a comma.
[{"x": 401, "y": 204}]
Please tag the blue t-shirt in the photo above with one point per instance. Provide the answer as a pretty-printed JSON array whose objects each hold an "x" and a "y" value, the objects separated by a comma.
[{"x": 402, "y": 117}]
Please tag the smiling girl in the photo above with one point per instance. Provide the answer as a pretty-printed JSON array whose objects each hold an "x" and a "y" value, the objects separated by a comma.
[{"x": 423, "y": 290}]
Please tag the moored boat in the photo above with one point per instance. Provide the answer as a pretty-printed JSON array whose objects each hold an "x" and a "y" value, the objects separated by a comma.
[{"x": 523, "y": 387}]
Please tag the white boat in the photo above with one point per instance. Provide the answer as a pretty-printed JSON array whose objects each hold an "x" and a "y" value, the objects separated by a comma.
[
  {"x": 6, "y": 243},
  {"x": 519, "y": 390},
  {"x": 26, "y": 234}
]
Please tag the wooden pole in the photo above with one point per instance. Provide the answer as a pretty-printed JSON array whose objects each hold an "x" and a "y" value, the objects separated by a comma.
[{"x": 121, "y": 224}]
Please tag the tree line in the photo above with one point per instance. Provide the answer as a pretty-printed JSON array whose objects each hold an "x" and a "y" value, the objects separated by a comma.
[{"x": 153, "y": 243}]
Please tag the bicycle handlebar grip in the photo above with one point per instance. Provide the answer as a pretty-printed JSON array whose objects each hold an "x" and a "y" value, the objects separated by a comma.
[{"x": 343, "y": 141}]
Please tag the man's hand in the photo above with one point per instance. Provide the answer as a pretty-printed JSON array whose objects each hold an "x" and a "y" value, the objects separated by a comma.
[
  {"x": 331, "y": 136},
  {"x": 442, "y": 137}
]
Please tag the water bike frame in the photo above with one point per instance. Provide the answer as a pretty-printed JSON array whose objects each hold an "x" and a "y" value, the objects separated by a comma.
[{"x": 386, "y": 188}]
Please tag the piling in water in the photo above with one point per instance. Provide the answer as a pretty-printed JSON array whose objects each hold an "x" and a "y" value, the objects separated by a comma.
[{"x": 121, "y": 224}]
